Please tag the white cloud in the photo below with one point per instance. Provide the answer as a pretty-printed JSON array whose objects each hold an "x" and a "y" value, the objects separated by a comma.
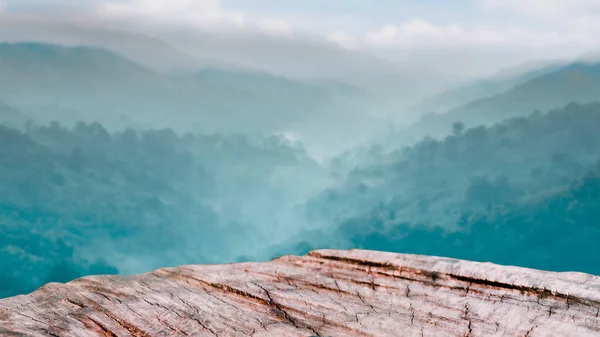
[
  {"x": 518, "y": 30},
  {"x": 192, "y": 13},
  {"x": 276, "y": 27},
  {"x": 386, "y": 36},
  {"x": 544, "y": 8},
  {"x": 185, "y": 12},
  {"x": 572, "y": 17},
  {"x": 480, "y": 49},
  {"x": 344, "y": 39},
  {"x": 421, "y": 33}
]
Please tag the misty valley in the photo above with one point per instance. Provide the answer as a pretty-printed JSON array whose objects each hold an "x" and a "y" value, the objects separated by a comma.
[{"x": 110, "y": 166}]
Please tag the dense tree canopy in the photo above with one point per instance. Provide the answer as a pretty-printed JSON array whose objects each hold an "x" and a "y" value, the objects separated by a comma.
[
  {"x": 523, "y": 192},
  {"x": 82, "y": 200}
]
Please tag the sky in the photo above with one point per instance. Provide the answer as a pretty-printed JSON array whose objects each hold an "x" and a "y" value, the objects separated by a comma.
[{"x": 503, "y": 31}]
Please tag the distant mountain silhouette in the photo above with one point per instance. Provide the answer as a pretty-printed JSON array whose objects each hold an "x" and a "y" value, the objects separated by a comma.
[
  {"x": 88, "y": 84},
  {"x": 501, "y": 82},
  {"x": 544, "y": 89}
]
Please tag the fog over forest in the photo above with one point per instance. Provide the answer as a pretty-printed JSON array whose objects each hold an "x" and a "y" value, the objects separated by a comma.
[{"x": 130, "y": 142}]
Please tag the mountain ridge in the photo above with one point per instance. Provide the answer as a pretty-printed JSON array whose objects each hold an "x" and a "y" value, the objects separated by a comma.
[
  {"x": 100, "y": 85},
  {"x": 548, "y": 88}
]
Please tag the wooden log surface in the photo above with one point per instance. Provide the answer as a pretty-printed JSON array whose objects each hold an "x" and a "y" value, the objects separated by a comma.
[{"x": 325, "y": 293}]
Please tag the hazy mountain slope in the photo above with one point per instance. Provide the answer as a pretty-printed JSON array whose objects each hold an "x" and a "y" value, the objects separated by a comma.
[
  {"x": 393, "y": 84},
  {"x": 142, "y": 48},
  {"x": 11, "y": 117},
  {"x": 64, "y": 62},
  {"x": 577, "y": 82},
  {"x": 522, "y": 192},
  {"x": 397, "y": 81},
  {"x": 501, "y": 82},
  {"x": 138, "y": 200},
  {"x": 88, "y": 84},
  {"x": 428, "y": 183}
]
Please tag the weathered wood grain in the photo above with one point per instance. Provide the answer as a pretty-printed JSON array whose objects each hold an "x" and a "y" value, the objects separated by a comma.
[{"x": 326, "y": 293}]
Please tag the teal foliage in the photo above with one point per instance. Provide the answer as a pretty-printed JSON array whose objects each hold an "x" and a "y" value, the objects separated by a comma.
[{"x": 523, "y": 192}]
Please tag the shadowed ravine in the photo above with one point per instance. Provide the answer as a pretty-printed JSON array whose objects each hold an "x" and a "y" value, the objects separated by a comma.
[{"x": 325, "y": 293}]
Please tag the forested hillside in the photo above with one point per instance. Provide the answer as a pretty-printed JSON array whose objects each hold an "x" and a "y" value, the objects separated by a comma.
[
  {"x": 547, "y": 88},
  {"x": 80, "y": 196},
  {"x": 81, "y": 200},
  {"x": 524, "y": 192},
  {"x": 83, "y": 84}
]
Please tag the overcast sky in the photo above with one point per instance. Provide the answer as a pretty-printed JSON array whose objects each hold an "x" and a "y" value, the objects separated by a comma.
[{"x": 515, "y": 30}]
